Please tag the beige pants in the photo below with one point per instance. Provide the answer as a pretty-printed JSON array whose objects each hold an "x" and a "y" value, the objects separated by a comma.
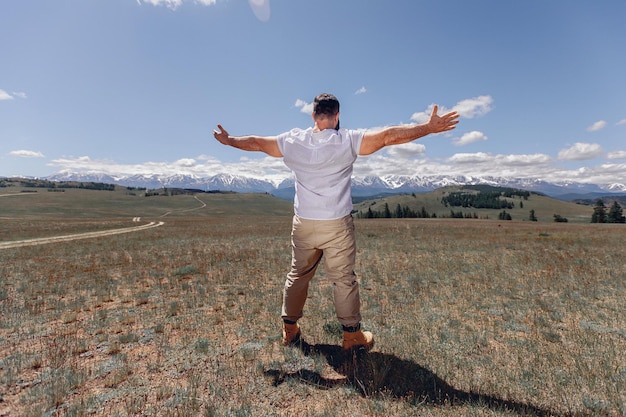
[{"x": 334, "y": 239}]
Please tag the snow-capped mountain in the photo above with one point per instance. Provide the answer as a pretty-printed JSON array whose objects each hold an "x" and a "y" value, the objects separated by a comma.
[{"x": 363, "y": 186}]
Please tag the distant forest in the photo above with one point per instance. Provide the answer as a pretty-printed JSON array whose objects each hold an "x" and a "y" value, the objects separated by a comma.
[
  {"x": 37, "y": 183},
  {"x": 484, "y": 197},
  {"x": 473, "y": 196},
  {"x": 399, "y": 212},
  {"x": 99, "y": 186}
]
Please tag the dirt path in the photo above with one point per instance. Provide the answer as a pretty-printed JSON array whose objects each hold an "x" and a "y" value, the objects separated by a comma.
[
  {"x": 67, "y": 238},
  {"x": 203, "y": 205},
  {"x": 89, "y": 235}
]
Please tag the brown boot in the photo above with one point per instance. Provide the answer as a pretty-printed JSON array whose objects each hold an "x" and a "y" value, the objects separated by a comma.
[
  {"x": 291, "y": 333},
  {"x": 357, "y": 340}
]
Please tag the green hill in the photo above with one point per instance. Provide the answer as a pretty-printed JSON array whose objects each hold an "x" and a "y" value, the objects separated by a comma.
[{"x": 518, "y": 205}]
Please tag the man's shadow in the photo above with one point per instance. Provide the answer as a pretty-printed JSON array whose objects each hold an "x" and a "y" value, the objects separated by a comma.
[{"x": 372, "y": 373}]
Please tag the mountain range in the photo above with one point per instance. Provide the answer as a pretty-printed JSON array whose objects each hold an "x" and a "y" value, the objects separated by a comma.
[{"x": 361, "y": 187}]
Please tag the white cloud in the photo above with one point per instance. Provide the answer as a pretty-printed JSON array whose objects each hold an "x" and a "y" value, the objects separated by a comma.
[
  {"x": 381, "y": 164},
  {"x": 617, "y": 155},
  {"x": 269, "y": 168},
  {"x": 533, "y": 160},
  {"x": 175, "y": 4},
  {"x": 470, "y": 158},
  {"x": 463, "y": 164},
  {"x": 599, "y": 125},
  {"x": 581, "y": 151},
  {"x": 468, "y": 108},
  {"x": 406, "y": 150},
  {"x": 186, "y": 162},
  {"x": 361, "y": 90},
  {"x": 470, "y": 137},
  {"x": 531, "y": 166},
  {"x": 499, "y": 161},
  {"x": 5, "y": 96},
  {"x": 26, "y": 154},
  {"x": 172, "y": 4},
  {"x": 304, "y": 106},
  {"x": 621, "y": 122},
  {"x": 260, "y": 8},
  {"x": 472, "y": 107},
  {"x": 208, "y": 159},
  {"x": 602, "y": 174},
  {"x": 421, "y": 117}
]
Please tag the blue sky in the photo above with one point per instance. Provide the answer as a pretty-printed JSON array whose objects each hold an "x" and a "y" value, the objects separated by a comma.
[{"x": 137, "y": 86}]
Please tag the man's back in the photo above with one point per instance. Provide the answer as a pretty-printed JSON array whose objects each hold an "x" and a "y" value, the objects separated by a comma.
[{"x": 322, "y": 164}]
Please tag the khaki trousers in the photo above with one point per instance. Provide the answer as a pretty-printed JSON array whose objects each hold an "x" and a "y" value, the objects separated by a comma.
[{"x": 335, "y": 240}]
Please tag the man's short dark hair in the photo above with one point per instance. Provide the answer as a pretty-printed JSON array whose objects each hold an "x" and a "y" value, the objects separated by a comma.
[{"x": 325, "y": 104}]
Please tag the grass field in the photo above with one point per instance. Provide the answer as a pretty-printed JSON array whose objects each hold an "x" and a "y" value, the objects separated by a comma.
[{"x": 471, "y": 317}]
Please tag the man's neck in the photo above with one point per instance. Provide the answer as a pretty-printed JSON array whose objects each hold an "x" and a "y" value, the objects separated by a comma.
[{"x": 318, "y": 127}]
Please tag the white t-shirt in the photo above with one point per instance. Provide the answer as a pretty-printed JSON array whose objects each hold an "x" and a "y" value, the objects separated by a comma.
[{"x": 322, "y": 166}]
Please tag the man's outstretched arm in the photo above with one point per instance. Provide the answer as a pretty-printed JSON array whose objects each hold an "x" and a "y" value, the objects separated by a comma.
[
  {"x": 267, "y": 144},
  {"x": 396, "y": 135}
]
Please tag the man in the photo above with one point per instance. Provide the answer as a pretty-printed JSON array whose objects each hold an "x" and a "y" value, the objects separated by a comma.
[{"x": 321, "y": 158}]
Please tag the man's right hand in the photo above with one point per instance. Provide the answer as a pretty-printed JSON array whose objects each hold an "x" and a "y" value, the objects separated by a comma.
[{"x": 439, "y": 124}]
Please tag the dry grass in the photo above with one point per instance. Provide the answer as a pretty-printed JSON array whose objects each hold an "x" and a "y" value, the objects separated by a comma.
[{"x": 477, "y": 318}]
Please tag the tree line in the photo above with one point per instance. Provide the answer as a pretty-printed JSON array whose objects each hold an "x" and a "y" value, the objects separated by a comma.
[
  {"x": 601, "y": 214},
  {"x": 613, "y": 215},
  {"x": 37, "y": 183},
  {"x": 400, "y": 212},
  {"x": 484, "y": 199}
]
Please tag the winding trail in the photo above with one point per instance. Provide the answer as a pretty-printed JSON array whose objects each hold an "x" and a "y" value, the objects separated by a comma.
[
  {"x": 77, "y": 236},
  {"x": 89, "y": 235},
  {"x": 203, "y": 205}
]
